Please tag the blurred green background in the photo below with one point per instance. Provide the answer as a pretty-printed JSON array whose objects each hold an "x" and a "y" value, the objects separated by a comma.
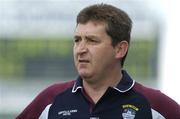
[{"x": 51, "y": 57}]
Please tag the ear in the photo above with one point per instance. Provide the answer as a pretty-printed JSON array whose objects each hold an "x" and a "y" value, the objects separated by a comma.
[{"x": 121, "y": 49}]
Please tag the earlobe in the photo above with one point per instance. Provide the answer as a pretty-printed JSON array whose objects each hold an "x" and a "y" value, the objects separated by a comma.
[{"x": 121, "y": 49}]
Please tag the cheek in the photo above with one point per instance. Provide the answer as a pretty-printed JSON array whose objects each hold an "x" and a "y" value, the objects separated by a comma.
[
  {"x": 103, "y": 53},
  {"x": 74, "y": 50},
  {"x": 74, "y": 55},
  {"x": 104, "y": 56}
]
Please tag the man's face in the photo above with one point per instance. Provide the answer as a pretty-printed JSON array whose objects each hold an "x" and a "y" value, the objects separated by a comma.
[{"x": 94, "y": 54}]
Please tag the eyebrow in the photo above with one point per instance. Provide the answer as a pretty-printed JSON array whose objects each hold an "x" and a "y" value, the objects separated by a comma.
[
  {"x": 91, "y": 36},
  {"x": 87, "y": 36},
  {"x": 76, "y": 36}
]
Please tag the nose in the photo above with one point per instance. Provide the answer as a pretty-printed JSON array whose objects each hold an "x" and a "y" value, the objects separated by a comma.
[{"x": 82, "y": 47}]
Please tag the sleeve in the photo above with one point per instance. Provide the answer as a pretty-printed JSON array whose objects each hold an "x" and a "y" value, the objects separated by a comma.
[
  {"x": 162, "y": 106},
  {"x": 166, "y": 106},
  {"x": 35, "y": 108},
  {"x": 46, "y": 97}
]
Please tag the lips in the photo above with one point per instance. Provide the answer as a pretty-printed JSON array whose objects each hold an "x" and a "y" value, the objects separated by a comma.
[{"x": 83, "y": 61}]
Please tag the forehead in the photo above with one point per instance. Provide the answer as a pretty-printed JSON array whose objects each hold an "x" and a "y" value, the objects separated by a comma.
[{"x": 90, "y": 28}]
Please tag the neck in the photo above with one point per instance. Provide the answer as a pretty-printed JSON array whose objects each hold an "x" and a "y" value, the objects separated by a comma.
[{"x": 98, "y": 87}]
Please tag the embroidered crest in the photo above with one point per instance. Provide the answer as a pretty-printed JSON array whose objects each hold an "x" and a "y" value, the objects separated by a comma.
[{"x": 129, "y": 111}]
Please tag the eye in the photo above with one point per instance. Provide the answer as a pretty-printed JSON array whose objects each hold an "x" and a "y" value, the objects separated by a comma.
[
  {"x": 92, "y": 40},
  {"x": 77, "y": 39}
]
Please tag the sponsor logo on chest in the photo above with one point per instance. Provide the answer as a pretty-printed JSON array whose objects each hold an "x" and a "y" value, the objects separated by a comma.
[{"x": 67, "y": 112}]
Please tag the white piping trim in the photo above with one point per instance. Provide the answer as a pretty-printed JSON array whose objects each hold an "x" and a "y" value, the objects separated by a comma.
[
  {"x": 156, "y": 114},
  {"x": 126, "y": 89},
  {"x": 74, "y": 90},
  {"x": 44, "y": 114}
]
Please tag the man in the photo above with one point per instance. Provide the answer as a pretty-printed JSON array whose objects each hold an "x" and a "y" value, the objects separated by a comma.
[{"x": 103, "y": 89}]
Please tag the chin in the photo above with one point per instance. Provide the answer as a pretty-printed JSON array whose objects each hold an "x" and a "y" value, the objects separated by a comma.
[{"x": 85, "y": 74}]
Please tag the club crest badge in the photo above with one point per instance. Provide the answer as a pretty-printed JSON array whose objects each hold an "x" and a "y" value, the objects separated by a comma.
[{"x": 129, "y": 111}]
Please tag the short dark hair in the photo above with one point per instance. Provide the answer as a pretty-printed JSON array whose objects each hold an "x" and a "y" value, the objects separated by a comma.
[{"x": 118, "y": 22}]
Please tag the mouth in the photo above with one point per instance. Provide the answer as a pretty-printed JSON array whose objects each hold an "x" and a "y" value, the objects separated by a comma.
[{"x": 83, "y": 61}]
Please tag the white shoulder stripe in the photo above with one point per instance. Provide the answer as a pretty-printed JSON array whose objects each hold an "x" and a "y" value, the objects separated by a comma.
[
  {"x": 156, "y": 115},
  {"x": 44, "y": 114}
]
